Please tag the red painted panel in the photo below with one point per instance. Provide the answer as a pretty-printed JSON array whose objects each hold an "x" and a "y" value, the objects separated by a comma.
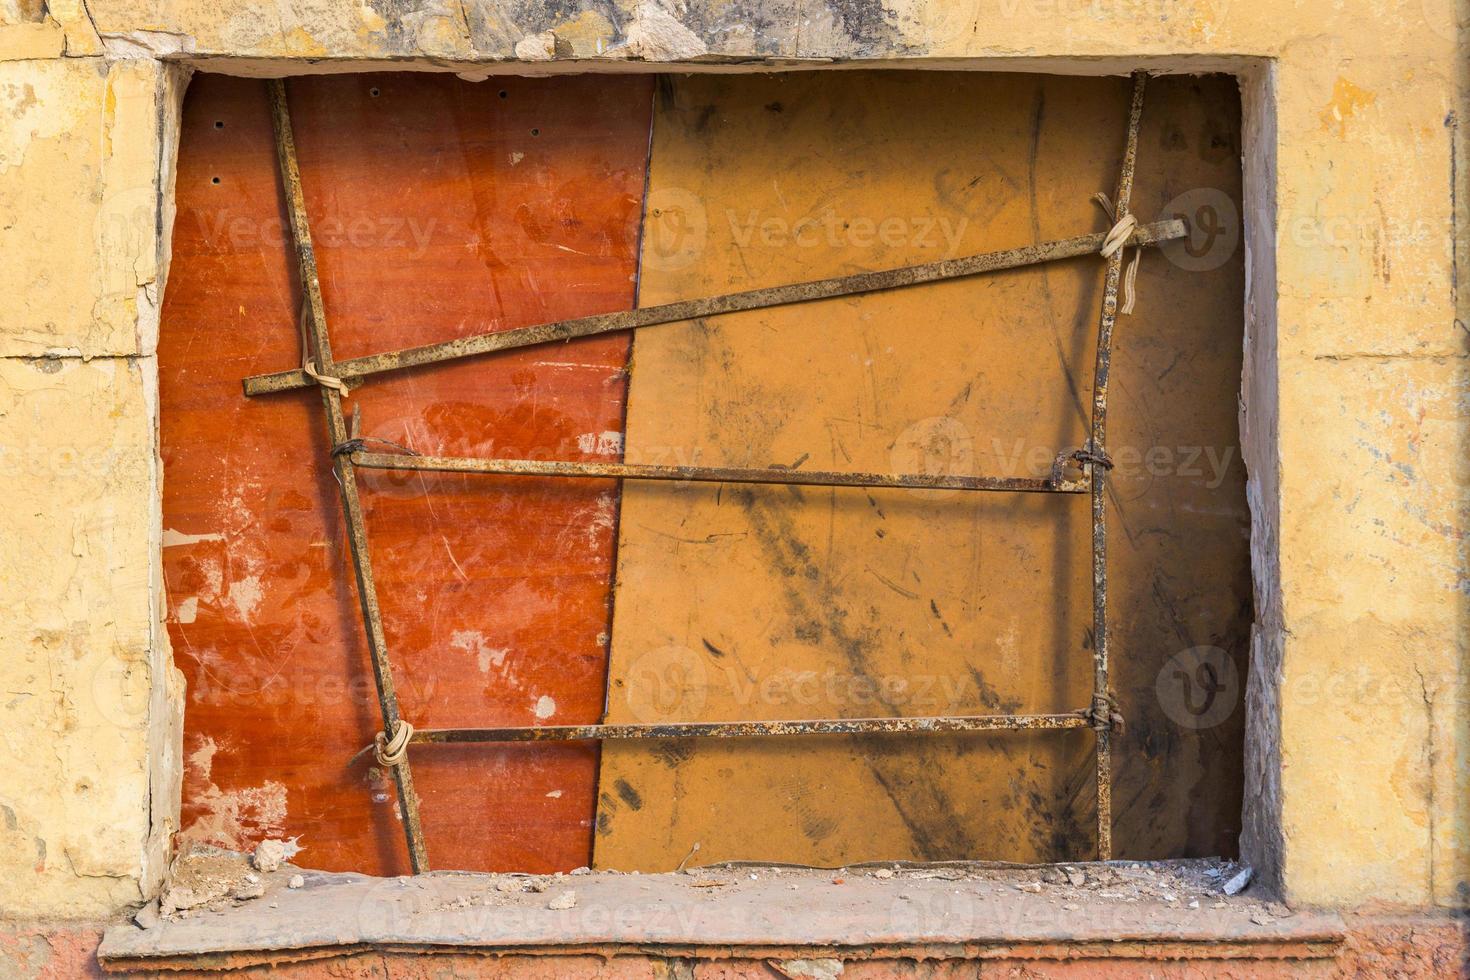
[{"x": 440, "y": 208}]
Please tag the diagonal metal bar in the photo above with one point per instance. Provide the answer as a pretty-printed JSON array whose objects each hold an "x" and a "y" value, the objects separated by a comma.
[
  {"x": 710, "y": 474},
  {"x": 1102, "y": 700},
  {"x": 754, "y": 299},
  {"x": 367, "y": 592}
]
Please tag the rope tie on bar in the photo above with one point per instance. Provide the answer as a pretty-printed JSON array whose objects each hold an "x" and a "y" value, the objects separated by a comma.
[
  {"x": 325, "y": 380},
  {"x": 392, "y": 752},
  {"x": 1105, "y": 713},
  {"x": 1122, "y": 230}
]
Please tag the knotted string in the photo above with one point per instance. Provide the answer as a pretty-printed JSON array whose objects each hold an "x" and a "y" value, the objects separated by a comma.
[
  {"x": 310, "y": 370},
  {"x": 1117, "y": 237},
  {"x": 392, "y": 752}
]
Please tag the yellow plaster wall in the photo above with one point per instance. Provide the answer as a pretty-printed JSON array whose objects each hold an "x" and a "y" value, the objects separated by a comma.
[
  {"x": 89, "y": 725},
  {"x": 1355, "y": 408}
]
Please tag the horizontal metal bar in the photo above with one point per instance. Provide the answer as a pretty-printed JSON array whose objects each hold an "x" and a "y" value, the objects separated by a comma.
[
  {"x": 754, "y": 299},
  {"x": 711, "y": 474},
  {"x": 740, "y": 729}
]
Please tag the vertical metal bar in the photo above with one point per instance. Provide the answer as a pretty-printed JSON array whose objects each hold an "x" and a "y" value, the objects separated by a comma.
[
  {"x": 344, "y": 469},
  {"x": 1102, "y": 709}
]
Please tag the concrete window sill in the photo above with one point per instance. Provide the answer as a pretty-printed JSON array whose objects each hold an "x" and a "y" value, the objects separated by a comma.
[{"x": 1120, "y": 910}]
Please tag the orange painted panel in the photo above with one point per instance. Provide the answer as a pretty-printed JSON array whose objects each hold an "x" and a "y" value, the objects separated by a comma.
[
  {"x": 440, "y": 208},
  {"x": 780, "y": 602}
]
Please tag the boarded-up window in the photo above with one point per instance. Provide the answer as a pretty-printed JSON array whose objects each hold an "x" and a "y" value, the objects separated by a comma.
[{"x": 443, "y": 208}]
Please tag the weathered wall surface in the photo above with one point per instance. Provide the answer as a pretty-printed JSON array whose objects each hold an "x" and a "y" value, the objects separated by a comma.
[
  {"x": 90, "y": 713},
  {"x": 1358, "y": 421}
]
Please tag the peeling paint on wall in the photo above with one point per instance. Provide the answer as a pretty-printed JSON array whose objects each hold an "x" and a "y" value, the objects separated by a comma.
[{"x": 1345, "y": 314}]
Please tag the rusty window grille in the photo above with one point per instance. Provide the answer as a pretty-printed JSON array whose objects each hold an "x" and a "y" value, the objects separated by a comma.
[{"x": 1081, "y": 471}]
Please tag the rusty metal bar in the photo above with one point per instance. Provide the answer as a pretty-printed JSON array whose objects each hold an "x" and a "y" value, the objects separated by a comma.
[
  {"x": 754, "y": 299},
  {"x": 744, "y": 729},
  {"x": 1102, "y": 710},
  {"x": 367, "y": 592},
  {"x": 711, "y": 474}
]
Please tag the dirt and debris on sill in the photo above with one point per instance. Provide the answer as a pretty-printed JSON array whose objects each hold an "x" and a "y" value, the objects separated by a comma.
[
  {"x": 728, "y": 905},
  {"x": 204, "y": 878}
]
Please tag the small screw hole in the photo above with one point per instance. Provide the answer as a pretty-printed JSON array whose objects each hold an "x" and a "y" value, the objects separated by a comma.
[
  {"x": 374, "y": 92},
  {"x": 535, "y": 132},
  {"x": 504, "y": 94},
  {"x": 219, "y": 124},
  {"x": 214, "y": 180}
]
